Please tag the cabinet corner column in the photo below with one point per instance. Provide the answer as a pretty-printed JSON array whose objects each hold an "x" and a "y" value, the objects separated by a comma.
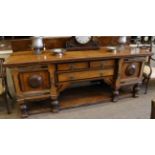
[
  {"x": 55, "y": 104},
  {"x": 116, "y": 84},
  {"x": 115, "y": 95},
  {"x": 23, "y": 108}
]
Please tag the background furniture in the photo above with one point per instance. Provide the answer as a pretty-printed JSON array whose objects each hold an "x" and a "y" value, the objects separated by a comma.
[
  {"x": 4, "y": 86},
  {"x": 149, "y": 69},
  {"x": 153, "y": 109}
]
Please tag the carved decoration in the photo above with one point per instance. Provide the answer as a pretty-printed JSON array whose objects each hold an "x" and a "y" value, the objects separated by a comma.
[
  {"x": 130, "y": 70},
  {"x": 35, "y": 81}
]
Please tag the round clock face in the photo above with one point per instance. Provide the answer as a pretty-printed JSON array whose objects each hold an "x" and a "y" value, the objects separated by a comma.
[{"x": 83, "y": 39}]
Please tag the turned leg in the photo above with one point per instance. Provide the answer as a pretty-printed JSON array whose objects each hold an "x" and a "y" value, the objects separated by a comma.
[
  {"x": 55, "y": 105},
  {"x": 136, "y": 89},
  {"x": 23, "y": 109},
  {"x": 115, "y": 95}
]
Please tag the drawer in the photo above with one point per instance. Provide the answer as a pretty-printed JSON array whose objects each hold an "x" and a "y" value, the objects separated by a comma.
[
  {"x": 34, "y": 80},
  {"x": 84, "y": 75},
  {"x": 72, "y": 66},
  {"x": 102, "y": 64}
]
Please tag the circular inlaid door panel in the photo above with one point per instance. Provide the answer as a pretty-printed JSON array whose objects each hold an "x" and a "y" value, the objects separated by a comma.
[
  {"x": 130, "y": 70},
  {"x": 35, "y": 81}
]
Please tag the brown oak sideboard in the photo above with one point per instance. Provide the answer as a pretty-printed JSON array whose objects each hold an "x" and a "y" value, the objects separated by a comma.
[{"x": 45, "y": 76}]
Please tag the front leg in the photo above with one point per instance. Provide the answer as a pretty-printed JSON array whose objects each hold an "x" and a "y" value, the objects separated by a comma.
[
  {"x": 115, "y": 95},
  {"x": 136, "y": 89},
  {"x": 23, "y": 109},
  {"x": 55, "y": 106}
]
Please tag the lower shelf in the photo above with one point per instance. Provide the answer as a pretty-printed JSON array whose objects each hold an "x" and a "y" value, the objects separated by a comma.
[
  {"x": 87, "y": 95},
  {"x": 79, "y": 96},
  {"x": 74, "y": 97}
]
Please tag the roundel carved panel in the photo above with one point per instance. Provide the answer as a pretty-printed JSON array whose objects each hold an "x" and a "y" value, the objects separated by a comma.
[
  {"x": 130, "y": 70},
  {"x": 35, "y": 81}
]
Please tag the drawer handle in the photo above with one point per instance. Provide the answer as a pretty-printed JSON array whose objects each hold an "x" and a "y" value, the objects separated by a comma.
[
  {"x": 72, "y": 67},
  {"x": 122, "y": 82},
  {"x": 102, "y": 65},
  {"x": 71, "y": 78}
]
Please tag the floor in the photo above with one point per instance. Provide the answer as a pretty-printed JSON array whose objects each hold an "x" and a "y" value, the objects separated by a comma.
[{"x": 128, "y": 108}]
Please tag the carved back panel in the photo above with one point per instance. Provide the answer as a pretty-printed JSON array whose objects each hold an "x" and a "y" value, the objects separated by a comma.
[{"x": 58, "y": 42}]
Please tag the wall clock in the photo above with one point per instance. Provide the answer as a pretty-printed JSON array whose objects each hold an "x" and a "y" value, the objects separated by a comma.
[{"x": 82, "y": 43}]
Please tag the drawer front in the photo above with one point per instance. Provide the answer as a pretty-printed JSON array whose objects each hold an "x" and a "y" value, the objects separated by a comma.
[
  {"x": 84, "y": 75},
  {"x": 34, "y": 80},
  {"x": 102, "y": 64},
  {"x": 72, "y": 66}
]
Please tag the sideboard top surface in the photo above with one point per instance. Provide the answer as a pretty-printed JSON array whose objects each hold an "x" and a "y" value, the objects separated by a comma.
[{"x": 29, "y": 58}]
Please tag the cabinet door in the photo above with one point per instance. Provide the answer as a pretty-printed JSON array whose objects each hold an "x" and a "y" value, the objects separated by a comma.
[
  {"x": 34, "y": 80},
  {"x": 131, "y": 70}
]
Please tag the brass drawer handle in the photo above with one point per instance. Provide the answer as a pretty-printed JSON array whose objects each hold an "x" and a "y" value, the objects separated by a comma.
[
  {"x": 72, "y": 67},
  {"x": 71, "y": 78},
  {"x": 101, "y": 65}
]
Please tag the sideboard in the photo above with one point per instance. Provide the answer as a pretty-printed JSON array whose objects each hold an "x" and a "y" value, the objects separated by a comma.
[{"x": 46, "y": 76}]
